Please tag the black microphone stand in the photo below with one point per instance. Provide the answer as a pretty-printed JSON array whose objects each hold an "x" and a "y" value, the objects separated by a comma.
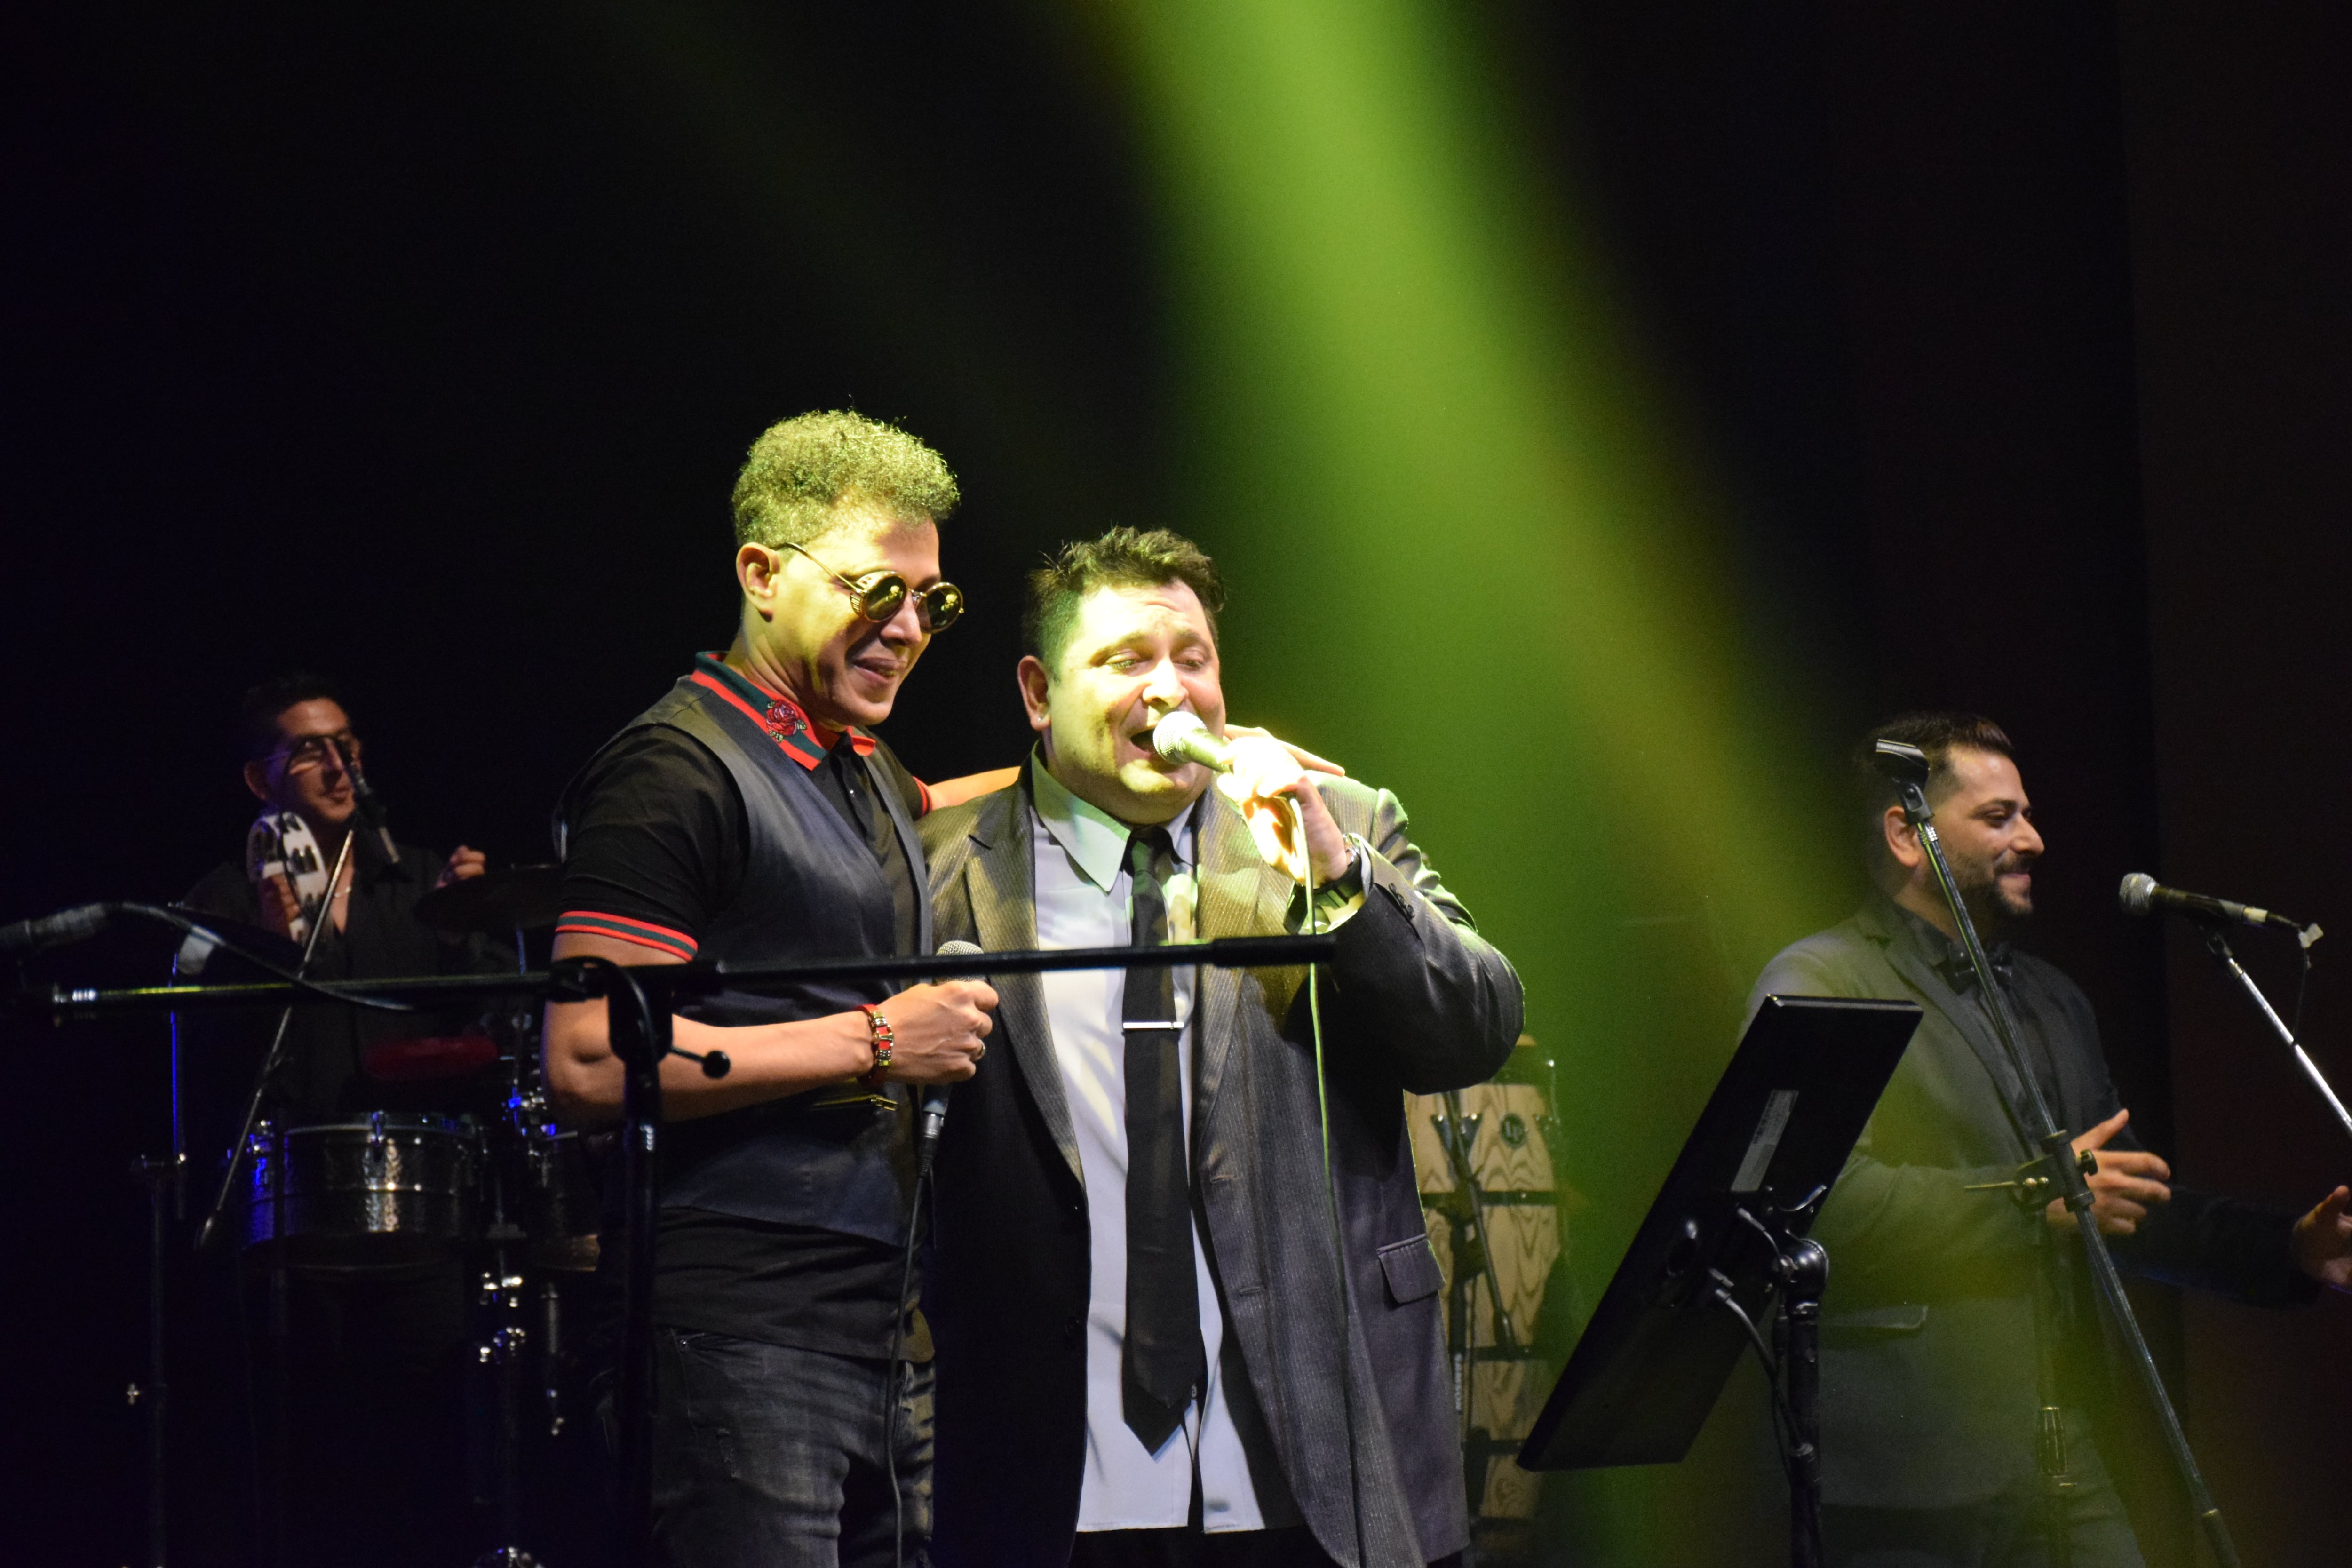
[
  {"x": 639, "y": 1000},
  {"x": 273, "y": 1062},
  {"x": 2216, "y": 942},
  {"x": 1908, "y": 770},
  {"x": 240, "y": 1151},
  {"x": 161, "y": 1176}
]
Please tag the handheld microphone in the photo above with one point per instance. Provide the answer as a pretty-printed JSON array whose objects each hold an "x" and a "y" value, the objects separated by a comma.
[
  {"x": 370, "y": 805},
  {"x": 55, "y": 930},
  {"x": 1275, "y": 826},
  {"x": 931, "y": 1119},
  {"x": 1181, "y": 737},
  {"x": 2143, "y": 894}
]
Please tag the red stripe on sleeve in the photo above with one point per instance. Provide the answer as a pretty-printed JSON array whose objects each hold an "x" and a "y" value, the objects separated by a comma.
[{"x": 644, "y": 933}]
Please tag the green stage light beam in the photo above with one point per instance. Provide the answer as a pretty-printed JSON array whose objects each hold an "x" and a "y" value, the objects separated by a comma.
[{"x": 1476, "y": 554}]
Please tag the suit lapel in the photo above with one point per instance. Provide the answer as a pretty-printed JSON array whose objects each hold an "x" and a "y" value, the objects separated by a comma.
[
  {"x": 1240, "y": 896},
  {"x": 999, "y": 880},
  {"x": 1969, "y": 1020}
]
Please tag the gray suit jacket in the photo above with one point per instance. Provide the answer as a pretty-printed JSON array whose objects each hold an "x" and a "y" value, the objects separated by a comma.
[
  {"x": 1415, "y": 1001},
  {"x": 1928, "y": 1378}
]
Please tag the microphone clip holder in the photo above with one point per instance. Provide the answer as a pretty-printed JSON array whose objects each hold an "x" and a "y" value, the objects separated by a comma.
[{"x": 2032, "y": 1185}]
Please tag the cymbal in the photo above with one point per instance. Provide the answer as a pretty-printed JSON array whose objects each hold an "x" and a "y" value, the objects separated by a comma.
[{"x": 496, "y": 902}]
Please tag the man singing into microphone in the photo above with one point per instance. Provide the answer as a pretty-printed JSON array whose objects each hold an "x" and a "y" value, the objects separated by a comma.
[
  {"x": 1144, "y": 1356},
  {"x": 1938, "y": 1316}
]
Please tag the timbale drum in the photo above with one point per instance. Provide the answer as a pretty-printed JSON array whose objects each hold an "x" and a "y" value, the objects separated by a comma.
[{"x": 381, "y": 1191}]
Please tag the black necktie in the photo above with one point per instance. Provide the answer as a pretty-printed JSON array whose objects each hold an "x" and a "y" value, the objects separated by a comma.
[{"x": 1161, "y": 1362}]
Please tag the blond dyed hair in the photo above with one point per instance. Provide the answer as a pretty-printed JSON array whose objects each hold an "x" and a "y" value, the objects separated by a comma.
[{"x": 799, "y": 472}]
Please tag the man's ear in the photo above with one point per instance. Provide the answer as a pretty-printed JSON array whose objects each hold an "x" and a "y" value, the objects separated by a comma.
[
  {"x": 256, "y": 779},
  {"x": 1034, "y": 685},
  {"x": 756, "y": 569},
  {"x": 1902, "y": 839}
]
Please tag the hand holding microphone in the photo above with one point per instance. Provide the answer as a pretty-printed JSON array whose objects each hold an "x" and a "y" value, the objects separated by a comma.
[
  {"x": 932, "y": 1119},
  {"x": 940, "y": 1030},
  {"x": 1267, "y": 782}
]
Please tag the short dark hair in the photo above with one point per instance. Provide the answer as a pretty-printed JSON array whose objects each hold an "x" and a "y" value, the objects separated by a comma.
[
  {"x": 257, "y": 715},
  {"x": 1938, "y": 735},
  {"x": 800, "y": 470},
  {"x": 1122, "y": 558}
]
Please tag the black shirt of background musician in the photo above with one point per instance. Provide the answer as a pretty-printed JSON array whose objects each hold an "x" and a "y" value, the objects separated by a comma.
[
  {"x": 327, "y": 1046},
  {"x": 658, "y": 834}
]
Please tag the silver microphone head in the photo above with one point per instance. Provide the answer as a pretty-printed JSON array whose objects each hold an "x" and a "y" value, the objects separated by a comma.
[
  {"x": 1182, "y": 737},
  {"x": 2135, "y": 894},
  {"x": 956, "y": 946}
]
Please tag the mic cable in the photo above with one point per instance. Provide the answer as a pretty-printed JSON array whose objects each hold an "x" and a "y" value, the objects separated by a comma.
[{"x": 930, "y": 1120}]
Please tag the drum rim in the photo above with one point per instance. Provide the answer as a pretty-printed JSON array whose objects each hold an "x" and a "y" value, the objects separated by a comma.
[
  {"x": 387, "y": 1123},
  {"x": 434, "y": 1189}
]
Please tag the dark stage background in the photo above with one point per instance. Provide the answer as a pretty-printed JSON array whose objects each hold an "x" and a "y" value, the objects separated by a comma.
[{"x": 420, "y": 345}]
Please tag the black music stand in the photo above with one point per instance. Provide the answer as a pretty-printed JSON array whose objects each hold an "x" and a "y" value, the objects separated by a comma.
[{"x": 1726, "y": 1239}]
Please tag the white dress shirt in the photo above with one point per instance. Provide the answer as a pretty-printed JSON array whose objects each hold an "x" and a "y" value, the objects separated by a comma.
[{"x": 1083, "y": 899}]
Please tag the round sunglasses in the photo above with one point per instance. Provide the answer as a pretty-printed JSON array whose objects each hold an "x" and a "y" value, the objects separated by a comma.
[{"x": 879, "y": 594}]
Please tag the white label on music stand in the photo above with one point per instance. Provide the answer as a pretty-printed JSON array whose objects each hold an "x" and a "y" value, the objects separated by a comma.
[{"x": 1767, "y": 1142}]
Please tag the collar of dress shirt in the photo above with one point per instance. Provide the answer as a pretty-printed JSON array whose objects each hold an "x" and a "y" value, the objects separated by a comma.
[
  {"x": 785, "y": 721},
  {"x": 1097, "y": 840}
]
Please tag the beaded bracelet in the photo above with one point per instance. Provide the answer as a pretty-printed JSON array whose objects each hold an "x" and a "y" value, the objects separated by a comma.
[{"x": 878, "y": 1033}]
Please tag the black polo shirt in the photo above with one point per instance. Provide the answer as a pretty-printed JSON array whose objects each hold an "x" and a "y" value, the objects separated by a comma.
[{"x": 654, "y": 849}]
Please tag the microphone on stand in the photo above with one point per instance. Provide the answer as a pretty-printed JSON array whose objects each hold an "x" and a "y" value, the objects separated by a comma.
[
  {"x": 55, "y": 930},
  {"x": 370, "y": 807},
  {"x": 2143, "y": 894},
  {"x": 1901, "y": 763},
  {"x": 931, "y": 1118},
  {"x": 1181, "y": 737}
]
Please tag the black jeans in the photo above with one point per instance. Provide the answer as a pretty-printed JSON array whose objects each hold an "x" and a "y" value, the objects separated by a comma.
[{"x": 772, "y": 1457}]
